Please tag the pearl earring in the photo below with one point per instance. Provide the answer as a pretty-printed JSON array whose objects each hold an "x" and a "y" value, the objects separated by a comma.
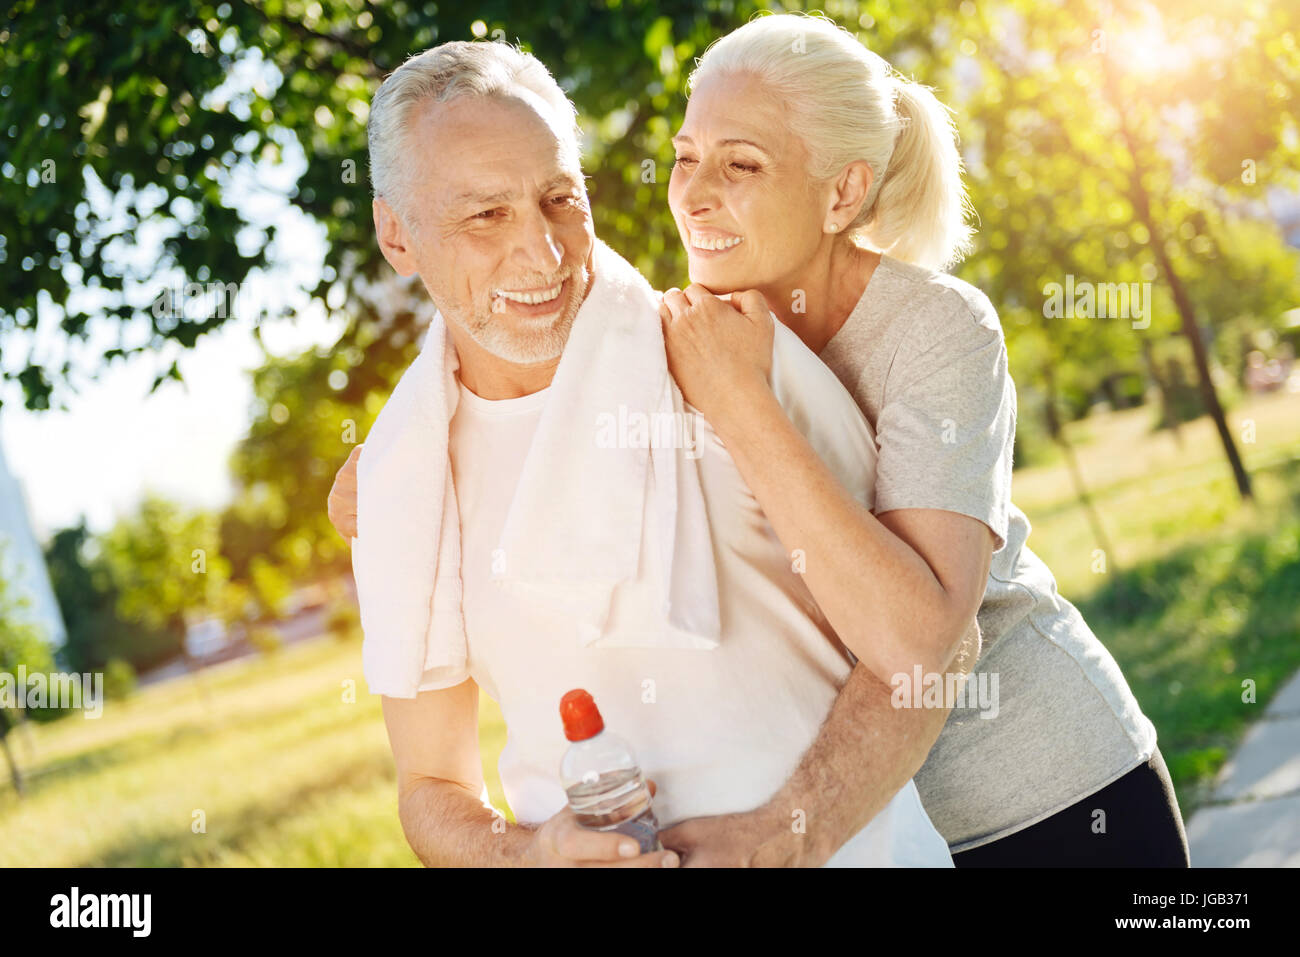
[{"x": 833, "y": 227}]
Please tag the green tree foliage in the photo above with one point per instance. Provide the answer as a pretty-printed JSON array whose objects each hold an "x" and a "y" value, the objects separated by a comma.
[
  {"x": 88, "y": 602},
  {"x": 1130, "y": 143},
  {"x": 127, "y": 594},
  {"x": 166, "y": 566},
  {"x": 307, "y": 416}
]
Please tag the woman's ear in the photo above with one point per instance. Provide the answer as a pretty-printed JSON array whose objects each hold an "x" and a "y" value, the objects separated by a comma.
[
  {"x": 394, "y": 241},
  {"x": 850, "y": 192}
]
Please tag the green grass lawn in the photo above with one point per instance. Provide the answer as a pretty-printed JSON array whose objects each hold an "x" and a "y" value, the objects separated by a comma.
[
  {"x": 280, "y": 768},
  {"x": 272, "y": 756}
]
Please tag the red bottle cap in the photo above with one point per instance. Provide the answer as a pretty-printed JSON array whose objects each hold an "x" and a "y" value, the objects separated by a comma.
[{"x": 580, "y": 715}]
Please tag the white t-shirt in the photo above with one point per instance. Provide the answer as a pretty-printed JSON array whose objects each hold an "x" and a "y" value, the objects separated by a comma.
[{"x": 719, "y": 730}]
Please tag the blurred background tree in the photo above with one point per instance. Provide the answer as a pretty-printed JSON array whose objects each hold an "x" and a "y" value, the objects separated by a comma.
[
  {"x": 125, "y": 594},
  {"x": 87, "y": 600},
  {"x": 1127, "y": 142},
  {"x": 164, "y": 561}
]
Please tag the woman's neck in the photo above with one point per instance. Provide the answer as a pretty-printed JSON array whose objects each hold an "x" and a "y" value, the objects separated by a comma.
[{"x": 816, "y": 302}]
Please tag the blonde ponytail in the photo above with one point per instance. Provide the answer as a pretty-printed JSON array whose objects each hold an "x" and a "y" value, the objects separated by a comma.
[
  {"x": 920, "y": 214},
  {"x": 848, "y": 104}
]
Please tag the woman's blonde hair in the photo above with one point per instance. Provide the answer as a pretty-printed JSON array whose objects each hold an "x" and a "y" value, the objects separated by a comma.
[{"x": 846, "y": 104}]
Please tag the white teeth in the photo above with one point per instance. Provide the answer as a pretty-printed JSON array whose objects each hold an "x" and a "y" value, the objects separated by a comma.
[
  {"x": 530, "y": 298},
  {"x": 701, "y": 242}
]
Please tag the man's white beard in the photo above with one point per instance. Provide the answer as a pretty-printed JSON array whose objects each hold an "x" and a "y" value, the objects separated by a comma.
[{"x": 525, "y": 346}]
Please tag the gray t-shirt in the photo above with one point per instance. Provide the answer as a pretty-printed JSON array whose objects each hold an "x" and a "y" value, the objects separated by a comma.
[{"x": 924, "y": 356}]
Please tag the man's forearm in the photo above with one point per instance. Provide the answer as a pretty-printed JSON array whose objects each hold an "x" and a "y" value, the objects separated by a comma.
[
  {"x": 447, "y": 826},
  {"x": 865, "y": 752}
]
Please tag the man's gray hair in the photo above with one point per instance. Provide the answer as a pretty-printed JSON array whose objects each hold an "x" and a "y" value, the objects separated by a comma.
[{"x": 442, "y": 73}]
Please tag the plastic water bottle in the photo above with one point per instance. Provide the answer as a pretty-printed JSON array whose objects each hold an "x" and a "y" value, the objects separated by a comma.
[{"x": 606, "y": 789}]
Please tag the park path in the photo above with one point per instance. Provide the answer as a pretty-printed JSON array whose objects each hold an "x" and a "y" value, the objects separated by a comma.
[{"x": 1253, "y": 816}]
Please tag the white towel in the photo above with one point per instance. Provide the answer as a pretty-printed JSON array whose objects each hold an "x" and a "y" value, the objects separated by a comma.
[{"x": 589, "y": 505}]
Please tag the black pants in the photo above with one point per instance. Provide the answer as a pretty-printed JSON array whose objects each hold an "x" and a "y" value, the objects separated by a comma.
[{"x": 1141, "y": 827}]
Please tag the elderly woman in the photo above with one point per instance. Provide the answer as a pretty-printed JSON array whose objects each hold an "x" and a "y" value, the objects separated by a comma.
[{"x": 813, "y": 181}]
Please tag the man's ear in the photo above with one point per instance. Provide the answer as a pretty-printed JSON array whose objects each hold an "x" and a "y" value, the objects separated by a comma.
[
  {"x": 851, "y": 189},
  {"x": 394, "y": 241}
]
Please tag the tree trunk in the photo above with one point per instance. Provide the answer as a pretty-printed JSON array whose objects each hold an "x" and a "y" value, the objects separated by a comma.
[
  {"x": 1209, "y": 395},
  {"x": 1182, "y": 302}
]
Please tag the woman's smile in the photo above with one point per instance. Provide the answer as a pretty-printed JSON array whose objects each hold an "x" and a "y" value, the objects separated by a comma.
[{"x": 711, "y": 243}]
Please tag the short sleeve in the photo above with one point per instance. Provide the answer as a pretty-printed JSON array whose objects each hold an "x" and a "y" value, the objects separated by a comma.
[{"x": 947, "y": 421}]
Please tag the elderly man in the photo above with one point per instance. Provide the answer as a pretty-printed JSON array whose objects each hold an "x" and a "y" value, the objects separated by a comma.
[{"x": 770, "y": 747}]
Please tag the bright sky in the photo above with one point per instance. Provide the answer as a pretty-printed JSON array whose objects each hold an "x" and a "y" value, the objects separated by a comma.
[{"x": 116, "y": 441}]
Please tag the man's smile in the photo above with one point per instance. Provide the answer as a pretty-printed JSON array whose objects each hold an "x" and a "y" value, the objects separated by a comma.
[
  {"x": 533, "y": 303},
  {"x": 530, "y": 296}
]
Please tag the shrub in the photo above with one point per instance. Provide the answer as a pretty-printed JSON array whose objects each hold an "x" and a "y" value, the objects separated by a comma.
[{"x": 119, "y": 679}]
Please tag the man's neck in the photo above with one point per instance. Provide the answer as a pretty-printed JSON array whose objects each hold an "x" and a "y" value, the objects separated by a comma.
[{"x": 491, "y": 377}]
